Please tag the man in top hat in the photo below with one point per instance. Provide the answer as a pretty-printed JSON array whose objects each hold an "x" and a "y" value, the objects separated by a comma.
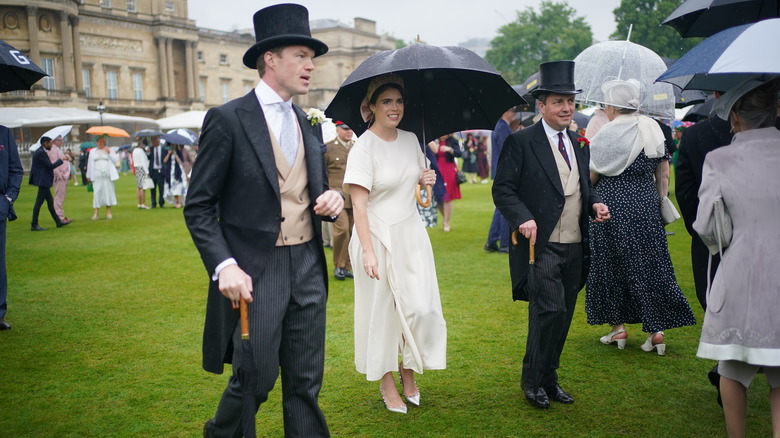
[
  {"x": 542, "y": 188},
  {"x": 254, "y": 208},
  {"x": 336, "y": 161}
]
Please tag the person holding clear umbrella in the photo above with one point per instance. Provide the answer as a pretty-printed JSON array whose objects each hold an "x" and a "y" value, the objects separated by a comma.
[
  {"x": 741, "y": 320},
  {"x": 631, "y": 277}
]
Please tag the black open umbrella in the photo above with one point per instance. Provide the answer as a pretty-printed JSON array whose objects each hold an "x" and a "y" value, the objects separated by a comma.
[
  {"x": 683, "y": 98},
  {"x": 17, "y": 72},
  {"x": 700, "y": 111},
  {"x": 447, "y": 89},
  {"x": 147, "y": 133},
  {"x": 703, "y": 18}
]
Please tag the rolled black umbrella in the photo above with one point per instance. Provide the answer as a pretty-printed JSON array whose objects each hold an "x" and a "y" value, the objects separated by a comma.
[
  {"x": 447, "y": 89},
  {"x": 17, "y": 72},
  {"x": 247, "y": 375},
  {"x": 704, "y": 18}
]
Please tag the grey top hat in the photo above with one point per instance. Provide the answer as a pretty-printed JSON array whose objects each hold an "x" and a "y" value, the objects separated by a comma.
[
  {"x": 556, "y": 77},
  {"x": 282, "y": 25}
]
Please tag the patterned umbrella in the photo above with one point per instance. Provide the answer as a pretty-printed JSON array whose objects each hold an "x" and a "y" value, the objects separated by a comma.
[{"x": 16, "y": 71}]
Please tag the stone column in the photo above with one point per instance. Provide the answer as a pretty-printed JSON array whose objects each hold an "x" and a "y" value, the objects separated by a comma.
[
  {"x": 163, "y": 72},
  {"x": 74, "y": 23},
  {"x": 189, "y": 69},
  {"x": 67, "y": 51},
  {"x": 195, "y": 77},
  {"x": 32, "y": 25},
  {"x": 169, "y": 68}
]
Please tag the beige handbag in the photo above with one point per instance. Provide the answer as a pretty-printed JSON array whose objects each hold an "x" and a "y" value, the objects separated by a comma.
[{"x": 669, "y": 214}]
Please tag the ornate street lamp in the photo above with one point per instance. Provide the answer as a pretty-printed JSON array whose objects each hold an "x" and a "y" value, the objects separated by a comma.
[{"x": 101, "y": 109}]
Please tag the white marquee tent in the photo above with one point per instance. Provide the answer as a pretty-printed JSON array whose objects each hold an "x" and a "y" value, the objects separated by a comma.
[{"x": 30, "y": 117}]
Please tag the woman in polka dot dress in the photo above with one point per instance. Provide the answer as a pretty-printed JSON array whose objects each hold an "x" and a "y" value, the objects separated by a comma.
[{"x": 631, "y": 277}]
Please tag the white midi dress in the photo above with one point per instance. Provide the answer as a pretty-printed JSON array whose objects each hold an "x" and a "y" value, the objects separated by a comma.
[{"x": 401, "y": 312}]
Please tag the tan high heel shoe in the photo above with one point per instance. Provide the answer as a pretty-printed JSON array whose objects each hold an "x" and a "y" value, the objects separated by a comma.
[
  {"x": 660, "y": 348},
  {"x": 610, "y": 338},
  {"x": 413, "y": 399}
]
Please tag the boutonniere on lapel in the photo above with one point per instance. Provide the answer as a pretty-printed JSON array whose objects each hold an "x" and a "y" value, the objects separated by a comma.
[
  {"x": 316, "y": 116},
  {"x": 583, "y": 142}
]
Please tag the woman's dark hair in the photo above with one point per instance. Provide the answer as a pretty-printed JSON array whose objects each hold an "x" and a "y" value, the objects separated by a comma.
[
  {"x": 758, "y": 107},
  {"x": 382, "y": 88}
]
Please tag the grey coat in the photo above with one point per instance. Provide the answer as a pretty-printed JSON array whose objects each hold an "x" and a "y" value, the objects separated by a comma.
[{"x": 742, "y": 321}]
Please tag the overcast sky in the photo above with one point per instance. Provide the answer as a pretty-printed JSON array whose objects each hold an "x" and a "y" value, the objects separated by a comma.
[{"x": 438, "y": 22}]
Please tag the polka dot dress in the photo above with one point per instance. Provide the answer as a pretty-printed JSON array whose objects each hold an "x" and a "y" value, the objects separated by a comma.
[{"x": 631, "y": 278}]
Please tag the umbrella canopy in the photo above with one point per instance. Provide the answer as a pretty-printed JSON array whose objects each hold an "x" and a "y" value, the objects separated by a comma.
[
  {"x": 57, "y": 131},
  {"x": 108, "y": 130},
  {"x": 728, "y": 58},
  {"x": 447, "y": 89},
  {"x": 700, "y": 110},
  {"x": 685, "y": 98},
  {"x": 16, "y": 71},
  {"x": 180, "y": 136},
  {"x": 623, "y": 60},
  {"x": 703, "y": 18},
  {"x": 146, "y": 133}
]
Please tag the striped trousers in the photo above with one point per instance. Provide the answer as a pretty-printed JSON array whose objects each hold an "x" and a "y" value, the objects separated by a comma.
[
  {"x": 551, "y": 305},
  {"x": 287, "y": 331}
]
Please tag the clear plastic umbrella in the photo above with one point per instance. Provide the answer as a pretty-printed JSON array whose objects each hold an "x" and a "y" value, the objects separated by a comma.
[{"x": 624, "y": 60}]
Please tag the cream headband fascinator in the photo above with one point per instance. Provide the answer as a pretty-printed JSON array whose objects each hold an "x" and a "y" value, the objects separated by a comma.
[
  {"x": 624, "y": 94},
  {"x": 365, "y": 110}
]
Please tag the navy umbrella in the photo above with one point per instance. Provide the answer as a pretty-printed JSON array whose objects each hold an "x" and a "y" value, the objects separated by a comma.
[
  {"x": 447, "y": 89},
  {"x": 17, "y": 72},
  {"x": 147, "y": 133},
  {"x": 177, "y": 138},
  {"x": 684, "y": 98},
  {"x": 729, "y": 57},
  {"x": 703, "y": 18}
]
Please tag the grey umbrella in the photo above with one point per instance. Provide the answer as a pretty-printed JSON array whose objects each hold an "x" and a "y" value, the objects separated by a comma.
[
  {"x": 17, "y": 72},
  {"x": 703, "y": 18}
]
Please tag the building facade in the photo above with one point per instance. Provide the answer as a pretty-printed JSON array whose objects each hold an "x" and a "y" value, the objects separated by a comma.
[{"x": 147, "y": 58}]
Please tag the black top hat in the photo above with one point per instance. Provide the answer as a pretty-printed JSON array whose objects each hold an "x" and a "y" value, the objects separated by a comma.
[
  {"x": 556, "y": 77},
  {"x": 282, "y": 25}
]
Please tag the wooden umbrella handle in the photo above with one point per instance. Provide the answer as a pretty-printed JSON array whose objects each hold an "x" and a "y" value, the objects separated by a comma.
[
  {"x": 514, "y": 237},
  {"x": 244, "y": 315},
  {"x": 428, "y": 196},
  {"x": 531, "y": 255}
]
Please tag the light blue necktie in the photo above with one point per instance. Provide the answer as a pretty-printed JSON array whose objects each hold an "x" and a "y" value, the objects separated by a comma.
[{"x": 288, "y": 138}]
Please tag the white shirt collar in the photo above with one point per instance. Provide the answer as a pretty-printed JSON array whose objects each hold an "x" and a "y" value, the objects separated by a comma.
[
  {"x": 552, "y": 132},
  {"x": 267, "y": 96}
]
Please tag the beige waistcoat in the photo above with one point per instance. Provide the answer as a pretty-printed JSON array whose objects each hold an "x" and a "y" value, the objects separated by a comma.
[
  {"x": 567, "y": 230},
  {"x": 297, "y": 225}
]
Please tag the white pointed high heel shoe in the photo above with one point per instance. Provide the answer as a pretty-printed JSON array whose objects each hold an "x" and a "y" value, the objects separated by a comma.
[
  {"x": 413, "y": 399},
  {"x": 649, "y": 346},
  {"x": 610, "y": 338},
  {"x": 399, "y": 409}
]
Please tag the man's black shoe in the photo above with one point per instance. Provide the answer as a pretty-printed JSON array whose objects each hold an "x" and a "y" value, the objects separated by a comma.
[
  {"x": 4, "y": 325},
  {"x": 714, "y": 377},
  {"x": 37, "y": 227},
  {"x": 206, "y": 433},
  {"x": 556, "y": 393},
  {"x": 538, "y": 398},
  {"x": 63, "y": 223},
  {"x": 492, "y": 247},
  {"x": 504, "y": 250},
  {"x": 348, "y": 273},
  {"x": 339, "y": 274}
]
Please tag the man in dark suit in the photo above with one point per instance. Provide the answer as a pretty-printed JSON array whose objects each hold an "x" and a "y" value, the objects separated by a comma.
[
  {"x": 156, "y": 156},
  {"x": 11, "y": 174},
  {"x": 499, "y": 228},
  {"x": 42, "y": 175},
  {"x": 543, "y": 189},
  {"x": 254, "y": 208}
]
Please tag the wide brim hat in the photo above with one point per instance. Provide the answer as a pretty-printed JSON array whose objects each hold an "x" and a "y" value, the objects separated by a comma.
[
  {"x": 556, "y": 77},
  {"x": 279, "y": 26}
]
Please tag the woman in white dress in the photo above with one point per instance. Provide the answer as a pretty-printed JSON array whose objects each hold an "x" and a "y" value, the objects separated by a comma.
[
  {"x": 141, "y": 166},
  {"x": 101, "y": 171},
  {"x": 397, "y": 305}
]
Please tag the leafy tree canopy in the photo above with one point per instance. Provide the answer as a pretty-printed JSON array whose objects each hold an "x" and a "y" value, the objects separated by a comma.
[
  {"x": 552, "y": 34},
  {"x": 646, "y": 17}
]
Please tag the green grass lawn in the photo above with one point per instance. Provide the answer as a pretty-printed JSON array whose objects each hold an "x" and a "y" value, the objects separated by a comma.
[{"x": 107, "y": 319}]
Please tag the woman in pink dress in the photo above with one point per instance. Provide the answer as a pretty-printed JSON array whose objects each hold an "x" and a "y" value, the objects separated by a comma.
[{"x": 446, "y": 149}]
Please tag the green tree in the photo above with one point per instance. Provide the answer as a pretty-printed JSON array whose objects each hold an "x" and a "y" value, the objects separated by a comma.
[
  {"x": 553, "y": 34},
  {"x": 646, "y": 17}
]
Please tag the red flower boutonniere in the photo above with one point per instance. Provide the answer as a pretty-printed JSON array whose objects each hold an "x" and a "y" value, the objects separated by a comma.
[{"x": 583, "y": 142}]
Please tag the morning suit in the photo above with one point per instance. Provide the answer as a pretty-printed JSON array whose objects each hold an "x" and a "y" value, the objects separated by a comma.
[
  {"x": 528, "y": 186},
  {"x": 11, "y": 174},
  {"x": 156, "y": 156},
  {"x": 336, "y": 162},
  {"x": 696, "y": 142},
  {"x": 234, "y": 209},
  {"x": 42, "y": 175}
]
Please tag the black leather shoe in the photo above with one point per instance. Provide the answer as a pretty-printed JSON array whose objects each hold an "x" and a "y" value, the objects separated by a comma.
[
  {"x": 491, "y": 247},
  {"x": 714, "y": 377},
  {"x": 206, "y": 433},
  {"x": 63, "y": 223},
  {"x": 4, "y": 325},
  {"x": 556, "y": 393},
  {"x": 538, "y": 398},
  {"x": 347, "y": 273},
  {"x": 37, "y": 227},
  {"x": 504, "y": 250},
  {"x": 339, "y": 274}
]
